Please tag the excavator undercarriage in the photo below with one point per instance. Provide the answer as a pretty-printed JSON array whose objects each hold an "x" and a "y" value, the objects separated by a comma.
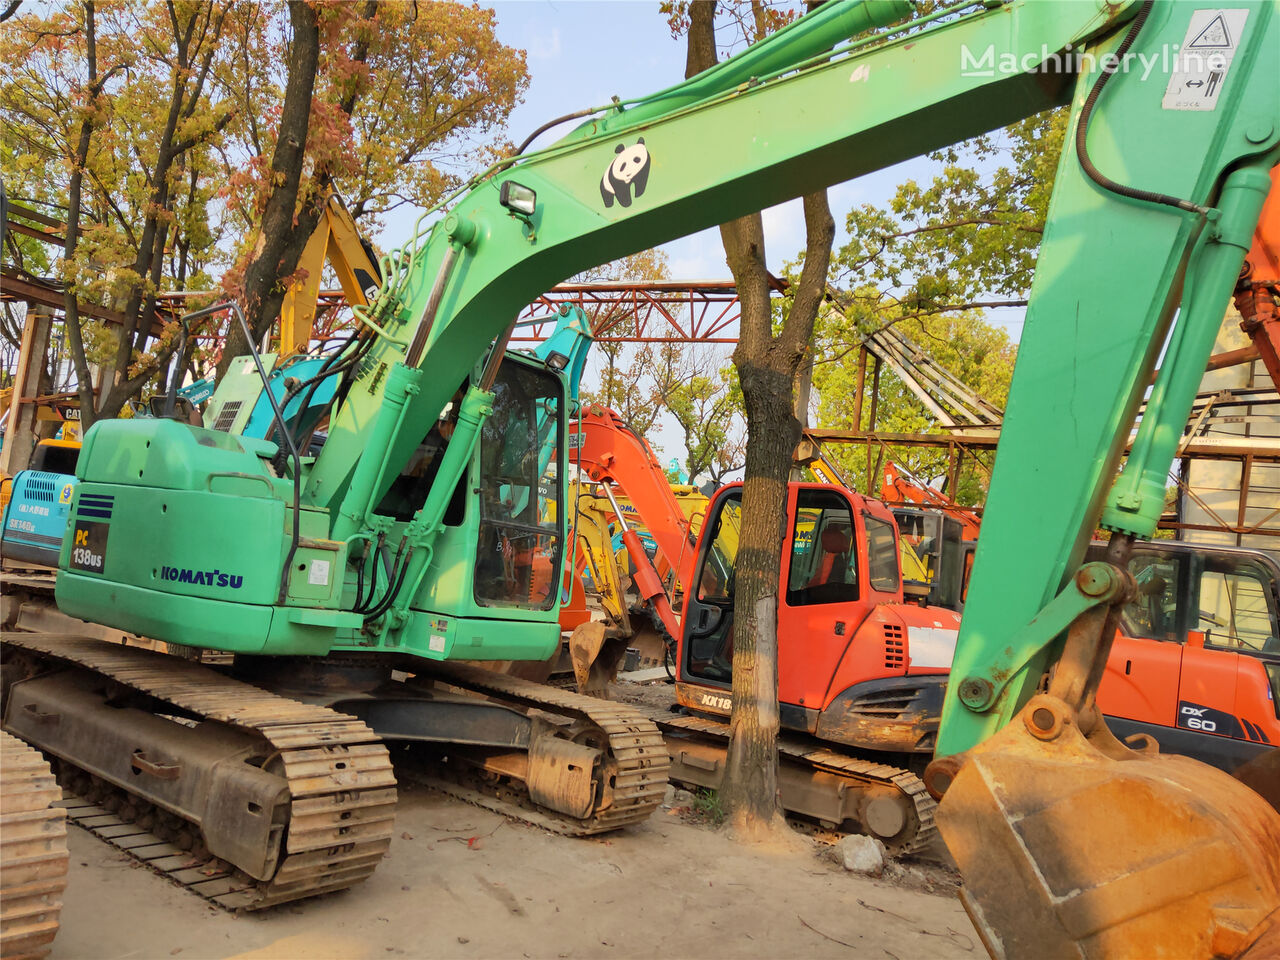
[
  {"x": 253, "y": 798},
  {"x": 825, "y": 790}
]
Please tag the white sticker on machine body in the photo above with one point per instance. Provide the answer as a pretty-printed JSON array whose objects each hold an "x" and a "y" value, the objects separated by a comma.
[
  {"x": 931, "y": 646},
  {"x": 318, "y": 575},
  {"x": 1203, "y": 59}
]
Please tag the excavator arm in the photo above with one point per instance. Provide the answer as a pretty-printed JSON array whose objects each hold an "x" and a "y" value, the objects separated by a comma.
[
  {"x": 1070, "y": 842},
  {"x": 1259, "y": 286},
  {"x": 337, "y": 241},
  {"x": 901, "y": 487},
  {"x": 610, "y": 452}
]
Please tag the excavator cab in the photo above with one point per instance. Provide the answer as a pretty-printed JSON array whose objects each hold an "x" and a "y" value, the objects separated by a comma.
[
  {"x": 1195, "y": 664},
  {"x": 857, "y": 666},
  {"x": 937, "y": 546}
]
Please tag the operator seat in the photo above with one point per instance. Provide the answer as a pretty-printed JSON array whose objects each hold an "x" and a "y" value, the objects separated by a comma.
[{"x": 829, "y": 581}]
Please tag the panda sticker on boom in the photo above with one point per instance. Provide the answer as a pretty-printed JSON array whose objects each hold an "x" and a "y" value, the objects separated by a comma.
[{"x": 629, "y": 171}]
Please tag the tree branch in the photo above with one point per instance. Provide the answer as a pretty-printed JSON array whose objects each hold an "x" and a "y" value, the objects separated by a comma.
[{"x": 970, "y": 222}]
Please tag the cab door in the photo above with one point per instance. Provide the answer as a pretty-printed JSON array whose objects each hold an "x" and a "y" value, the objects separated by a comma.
[
  {"x": 823, "y": 598},
  {"x": 1229, "y": 674},
  {"x": 1143, "y": 672},
  {"x": 705, "y": 654}
]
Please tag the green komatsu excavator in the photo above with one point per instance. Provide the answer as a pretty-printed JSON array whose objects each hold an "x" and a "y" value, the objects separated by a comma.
[{"x": 430, "y": 527}]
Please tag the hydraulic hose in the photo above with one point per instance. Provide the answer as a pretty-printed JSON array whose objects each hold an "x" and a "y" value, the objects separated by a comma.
[
  {"x": 359, "y": 600},
  {"x": 398, "y": 571},
  {"x": 331, "y": 367},
  {"x": 554, "y": 123},
  {"x": 1086, "y": 113},
  {"x": 362, "y": 602}
]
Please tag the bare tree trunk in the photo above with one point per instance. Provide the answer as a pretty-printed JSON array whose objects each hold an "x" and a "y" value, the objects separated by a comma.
[
  {"x": 284, "y": 234},
  {"x": 71, "y": 306},
  {"x": 767, "y": 368}
]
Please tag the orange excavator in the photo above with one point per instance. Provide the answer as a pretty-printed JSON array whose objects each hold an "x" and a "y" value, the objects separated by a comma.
[
  {"x": 902, "y": 488},
  {"x": 861, "y": 669},
  {"x": 1195, "y": 664}
]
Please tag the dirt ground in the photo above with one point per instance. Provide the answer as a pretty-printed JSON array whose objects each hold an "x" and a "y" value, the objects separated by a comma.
[{"x": 668, "y": 888}]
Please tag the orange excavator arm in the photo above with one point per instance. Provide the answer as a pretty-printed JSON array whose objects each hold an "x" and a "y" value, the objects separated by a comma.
[
  {"x": 1259, "y": 285},
  {"x": 610, "y": 452},
  {"x": 900, "y": 488}
]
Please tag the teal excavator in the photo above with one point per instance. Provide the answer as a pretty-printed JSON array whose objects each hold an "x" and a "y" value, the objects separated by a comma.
[{"x": 430, "y": 528}]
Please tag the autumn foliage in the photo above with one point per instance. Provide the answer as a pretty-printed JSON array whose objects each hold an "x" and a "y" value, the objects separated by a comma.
[{"x": 163, "y": 119}]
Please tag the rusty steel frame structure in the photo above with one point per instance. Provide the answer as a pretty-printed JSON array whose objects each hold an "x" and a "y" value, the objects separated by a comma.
[{"x": 699, "y": 311}]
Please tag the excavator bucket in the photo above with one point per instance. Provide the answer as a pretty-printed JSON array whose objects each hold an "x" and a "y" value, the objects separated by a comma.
[
  {"x": 649, "y": 642},
  {"x": 596, "y": 651},
  {"x": 1078, "y": 846}
]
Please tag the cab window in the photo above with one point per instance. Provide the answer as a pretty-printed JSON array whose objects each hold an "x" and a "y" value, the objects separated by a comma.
[
  {"x": 882, "y": 553},
  {"x": 715, "y": 582},
  {"x": 824, "y": 564},
  {"x": 1236, "y": 609},
  {"x": 518, "y": 553},
  {"x": 1153, "y": 614}
]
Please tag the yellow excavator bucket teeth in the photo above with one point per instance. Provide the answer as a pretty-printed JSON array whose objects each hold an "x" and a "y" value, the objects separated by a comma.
[{"x": 1075, "y": 846}]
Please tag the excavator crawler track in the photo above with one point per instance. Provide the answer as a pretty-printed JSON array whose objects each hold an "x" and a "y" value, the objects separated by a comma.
[
  {"x": 632, "y": 744},
  {"x": 340, "y": 785},
  {"x": 33, "y": 852},
  {"x": 919, "y": 831}
]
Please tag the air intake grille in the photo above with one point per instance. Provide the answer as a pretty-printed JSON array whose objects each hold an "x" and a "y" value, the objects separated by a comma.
[
  {"x": 40, "y": 488},
  {"x": 895, "y": 653},
  {"x": 886, "y": 704},
  {"x": 227, "y": 415}
]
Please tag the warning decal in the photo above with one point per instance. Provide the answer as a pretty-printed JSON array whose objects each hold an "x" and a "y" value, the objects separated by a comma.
[
  {"x": 1214, "y": 36},
  {"x": 1204, "y": 58}
]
